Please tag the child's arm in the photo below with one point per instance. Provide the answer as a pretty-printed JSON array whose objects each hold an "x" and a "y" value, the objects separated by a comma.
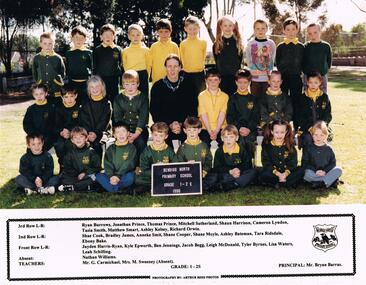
[
  {"x": 48, "y": 172},
  {"x": 109, "y": 168},
  {"x": 95, "y": 164},
  {"x": 117, "y": 112},
  {"x": 144, "y": 114},
  {"x": 220, "y": 121},
  {"x": 291, "y": 161},
  {"x": 124, "y": 59},
  {"x": 329, "y": 56},
  {"x": 231, "y": 116},
  {"x": 102, "y": 124},
  {"x": 207, "y": 164},
  {"x": 264, "y": 113},
  {"x": 327, "y": 115},
  {"x": 35, "y": 74},
  {"x": 205, "y": 121},
  {"x": 25, "y": 168},
  {"x": 180, "y": 154},
  {"x": 219, "y": 162},
  {"x": 288, "y": 110},
  {"x": 28, "y": 125},
  {"x": 147, "y": 62},
  {"x": 62, "y": 68},
  {"x": 332, "y": 162}
]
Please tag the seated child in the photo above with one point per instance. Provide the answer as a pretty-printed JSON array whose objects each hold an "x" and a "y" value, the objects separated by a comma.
[
  {"x": 95, "y": 114},
  {"x": 157, "y": 152},
  {"x": 119, "y": 162},
  {"x": 275, "y": 104},
  {"x": 67, "y": 118},
  {"x": 315, "y": 106},
  {"x": 39, "y": 117},
  {"x": 132, "y": 108},
  {"x": 36, "y": 168},
  {"x": 81, "y": 164},
  {"x": 318, "y": 159},
  {"x": 232, "y": 163},
  {"x": 243, "y": 111},
  {"x": 279, "y": 157},
  {"x": 212, "y": 106},
  {"x": 193, "y": 149}
]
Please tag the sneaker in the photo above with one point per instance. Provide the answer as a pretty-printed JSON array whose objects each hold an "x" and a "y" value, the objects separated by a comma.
[
  {"x": 65, "y": 188},
  {"x": 50, "y": 190},
  {"x": 29, "y": 191}
]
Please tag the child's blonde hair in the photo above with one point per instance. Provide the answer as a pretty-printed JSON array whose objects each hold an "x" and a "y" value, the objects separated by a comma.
[
  {"x": 320, "y": 125},
  {"x": 135, "y": 27},
  {"x": 230, "y": 129},
  {"x": 130, "y": 75},
  {"x": 108, "y": 27},
  {"x": 79, "y": 131},
  {"x": 47, "y": 35},
  {"x": 160, "y": 127},
  {"x": 96, "y": 79},
  {"x": 191, "y": 20},
  {"x": 218, "y": 44}
]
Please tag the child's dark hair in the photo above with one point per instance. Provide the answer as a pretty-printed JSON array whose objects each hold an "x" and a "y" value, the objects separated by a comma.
[
  {"x": 160, "y": 127},
  {"x": 79, "y": 131},
  {"x": 47, "y": 35},
  {"x": 173, "y": 56},
  {"x": 30, "y": 137},
  {"x": 163, "y": 24},
  {"x": 120, "y": 125},
  {"x": 290, "y": 21},
  {"x": 192, "y": 122},
  {"x": 260, "y": 21},
  {"x": 314, "y": 74},
  {"x": 289, "y": 140},
  {"x": 39, "y": 86},
  {"x": 243, "y": 73},
  {"x": 130, "y": 75},
  {"x": 212, "y": 72},
  {"x": 68, "y": 88},
  {"x": 275, "y": 72},
  {"x": 79, "y": 30},
  {"x": 108, "y": 27}
]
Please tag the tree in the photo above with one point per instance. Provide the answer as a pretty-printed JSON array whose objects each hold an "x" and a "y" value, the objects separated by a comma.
[{"x": 360, "y": 6}]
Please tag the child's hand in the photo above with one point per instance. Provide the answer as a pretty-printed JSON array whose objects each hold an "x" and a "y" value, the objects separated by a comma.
[
  {"x": 281, "y": 177},
  {"x": 81, "y": 176},
  {"x": 38, "y": 181},
  {"x": 320, "y": 173},
  {"x": 235, "y": 172},
  {"x": 244, "y": 131},
  {"x": 213, "y": 135},
  {"x": 132, "y": 137},
  {"x": 114, "y": 180},
  {"x": 92, "y": 136}
]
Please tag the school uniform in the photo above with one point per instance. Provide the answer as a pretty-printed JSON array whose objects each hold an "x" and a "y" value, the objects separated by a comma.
[
  {"x": 32, "y": 166},
  {"x": 137, "y": 57},
  {"x": 95, "y": 116},
  {"x": 315, "y": 106},
  {"x": 275, "y": 106},
  {"x": 134, "y": 112},
  {"x": 159, "y": 51},
  {"x": 49, "y": 68},
  {"x": 79, "y": 68},
  {"x": 277, "y": 158},
  {"x": 67, "y": 117},
  {"x": 289, "y": 61},
  {"x": 39, "y": 119},
  {"x": 316, "y": 158},
  {"x": 226, "y": 160},
  {"x": 108, "y": 65},
  {"x": 120, "y": 160},
  {"x": 198, "y": 151},
  {"x": 243, "y": 111},
  {"x": 228, "y": 62},
  {"x": 193, "y": 54},
  {"x": 150, "y": 156},
  {"x": 211, "y": 105},
  {"x": 81, "y": 160}
]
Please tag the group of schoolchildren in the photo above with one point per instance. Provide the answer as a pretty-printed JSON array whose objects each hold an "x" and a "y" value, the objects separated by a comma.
[{"x": 236, "y": 106}]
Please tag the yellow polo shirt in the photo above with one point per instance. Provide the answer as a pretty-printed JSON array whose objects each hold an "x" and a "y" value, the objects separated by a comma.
[
  {"x": 136, "y": 57},
  {"x": 212, "y": 105},
  {"x": 158, "y": 53},
  {"x": 193, "y": 54}
]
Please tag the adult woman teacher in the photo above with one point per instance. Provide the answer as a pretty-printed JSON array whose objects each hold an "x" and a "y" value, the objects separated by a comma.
[{"x": 172, "y": 99}]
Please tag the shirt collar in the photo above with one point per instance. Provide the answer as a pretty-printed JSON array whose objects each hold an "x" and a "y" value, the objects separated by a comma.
[
  {"x": 47, "y": 53},
  {"x": 97, "y": 98},
  {"x": 273, "y": 93},
  {"x": 273, "y": 142},
  {"x": 157, "y": 148},
  {"x": 117, "y": 143},
  {"x": 193, "y": 142},
  {"x": 112, "y": 45},
  {"x": 41, "y": 103},
  {"x": 313, "y": 95},
  {"x": 295, "y": 41},
  {"x": 236, "y": 149},
  {"x": 82, "y": 48},
  {"x": 242, "y": 93}
]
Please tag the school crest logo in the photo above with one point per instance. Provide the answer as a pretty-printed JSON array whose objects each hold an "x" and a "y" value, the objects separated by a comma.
[
  {"x": 203, "y": 153},
  {"x": 324, "y": 105},
  {"x": 285, "y": 154},
  {"x": 116, "y": 54},
  {"x": 125, "y": 156},
  {"x": 325, "y": 237},
  {"x": 75, "y": 114},
  {"x": 45, "y": 115},
  {"x": 237, "y": 161},
  {"x": 165, "y": 159},
  {"x": 250, "y": 105},
  {"x": 85, "y": 160}
]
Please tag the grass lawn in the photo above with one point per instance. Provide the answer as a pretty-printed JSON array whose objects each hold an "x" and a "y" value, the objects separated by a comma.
[{"x": 348, "y": 97}]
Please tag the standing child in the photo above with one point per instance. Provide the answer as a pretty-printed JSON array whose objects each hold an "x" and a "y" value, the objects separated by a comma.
[
  {"x": 275, "y": 105},
  {"x": 108, "y": 61},
  {"x": 81, "y": 164},
  {"x": 79, "y": 63},
  {"x": 233, "y": 164},
  {"x": 317, "y": 55},
  {"x": 193, "y": 55},
  {"x": 48, "y": 67},
  {"x": 279, "y": 157},
  {"x": 319, "y": 160},
  {"x": 260, "y": 56},
  {"x": 95, "y": 114},
  {"x": 228, "y": 52},
  {"x": 36, "y": 168},
  {"x": 67, "y": 118},
  {"x": 212, "y": 106},
  {"x": 289, "y": 57},
  {"x": 131, "y": 107},
  {"x": 157, "y": 152},
  {"x": 136, "y": 56},
  {"x": 161, "y": 49},
  {"x": 243, "y": 111},
  {"x": 315, "y": 107},
  {"x": 193, "y": 149},
  {"x": 39, "y": 117},
  {"x": 119, "y": 162}
]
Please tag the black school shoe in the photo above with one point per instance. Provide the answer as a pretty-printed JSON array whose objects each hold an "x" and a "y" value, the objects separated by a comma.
[
  {"x": 140, "y": 189},
  {"x": 228, "y": 186},
  {"x": 318, "y": 185}
]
